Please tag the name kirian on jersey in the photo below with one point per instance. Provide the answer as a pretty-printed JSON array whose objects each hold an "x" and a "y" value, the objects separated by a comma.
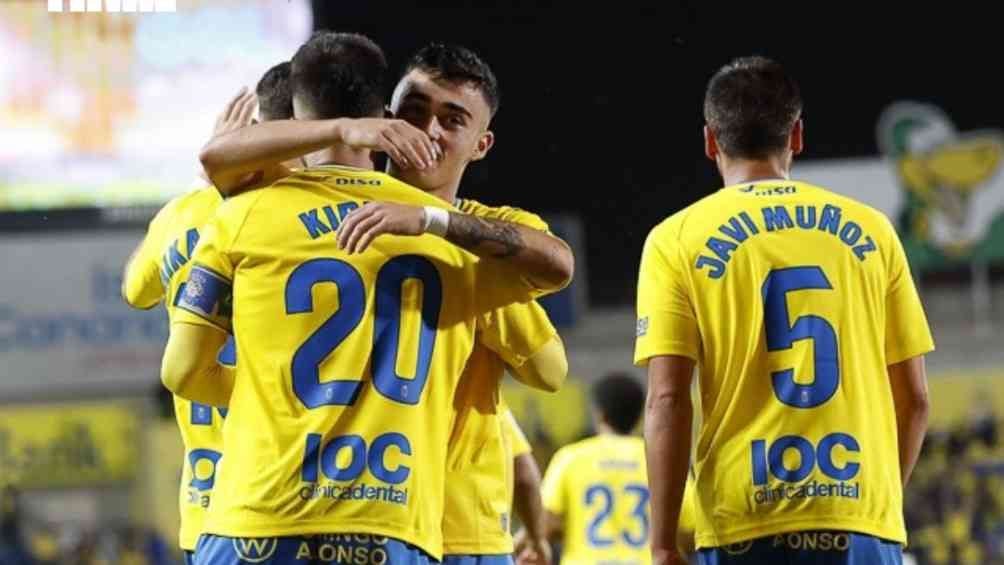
[
  {"x": 326, "y": 219},
  {"x": 742, "y": 226}
]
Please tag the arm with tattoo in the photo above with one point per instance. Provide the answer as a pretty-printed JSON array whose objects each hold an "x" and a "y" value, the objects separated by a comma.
[{"x": 546, "y": 259}]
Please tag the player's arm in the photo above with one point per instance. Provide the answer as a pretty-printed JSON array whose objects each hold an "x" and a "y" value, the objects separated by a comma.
[
  {"x": 668, "y": 416},
  {"x": 530, "y": 509},
  {"x": 203, "y": 317},
  {"x": 534, "y": 546},
  {"x": 668, "y": 341},
  {"x": 229, "y": 158},
  {"x": 190, "y": 368},
  {"x": 907, "y": 339},
  {"x": 544, "y": 259},
  {"x": 908, "y": 380},
  {"x": 141, "y": 284}
]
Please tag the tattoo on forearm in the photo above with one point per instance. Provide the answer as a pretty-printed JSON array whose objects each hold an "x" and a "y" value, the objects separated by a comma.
[{"x": 501, "y": 239}]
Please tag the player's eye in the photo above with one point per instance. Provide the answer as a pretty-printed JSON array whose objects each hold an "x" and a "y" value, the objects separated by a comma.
[{"x": 456, "y": 120}]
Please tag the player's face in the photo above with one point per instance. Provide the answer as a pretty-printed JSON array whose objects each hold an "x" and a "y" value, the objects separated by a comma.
[{"x": 456, "y": 116}]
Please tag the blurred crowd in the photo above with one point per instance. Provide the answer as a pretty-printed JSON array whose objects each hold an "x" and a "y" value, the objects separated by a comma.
[
  {"x": 954, "y": 505},
  {"x": 24, "y": 541}
]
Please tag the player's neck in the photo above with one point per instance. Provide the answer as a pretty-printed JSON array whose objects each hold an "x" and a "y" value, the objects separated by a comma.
[
  {"x": 446, "y": 192},
  {"x": 343, "y": 156},
  {"x": 604, "y": 429},
  {"x": 742, "y": 171}
]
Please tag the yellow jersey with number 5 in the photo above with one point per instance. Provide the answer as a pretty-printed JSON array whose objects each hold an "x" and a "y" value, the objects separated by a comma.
[
  {"x": 158, "y": 273},
  {"x": 340, "y": 413},
  {"x": 599, "y": 488},
  {"x": 793, "y": 301}
]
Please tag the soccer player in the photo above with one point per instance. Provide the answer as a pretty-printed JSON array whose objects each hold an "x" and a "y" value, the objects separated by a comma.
[
  {"x": 596, "y": 490},
  {"x": 798, "y": 307},
  {"x": 322, "y": 462},
  {"x": 157, "y": 271},
  {"x": 450, "y": 95}
]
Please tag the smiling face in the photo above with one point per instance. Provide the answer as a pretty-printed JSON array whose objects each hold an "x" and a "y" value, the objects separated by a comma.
[{"x": 455, "y": 115}]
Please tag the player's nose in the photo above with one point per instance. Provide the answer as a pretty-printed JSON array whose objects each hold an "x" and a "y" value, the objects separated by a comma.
[{"x": 434, "y": 128}]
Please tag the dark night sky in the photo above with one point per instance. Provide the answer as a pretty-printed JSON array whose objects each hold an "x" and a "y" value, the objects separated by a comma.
[{"x": 601, "y": 105}]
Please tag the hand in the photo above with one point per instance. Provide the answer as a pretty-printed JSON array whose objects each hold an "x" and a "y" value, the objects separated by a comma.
[
  {"x": 667, "y": 557},
  {"x": 534, "y": 552},
  {"x": 376, "y": 218},
  {"x": 238, "y": 113},
  {"x": 407, "y": 145}
]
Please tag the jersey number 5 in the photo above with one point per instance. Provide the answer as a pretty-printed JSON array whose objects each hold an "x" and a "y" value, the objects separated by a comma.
[{"x": 781, "y": 335}]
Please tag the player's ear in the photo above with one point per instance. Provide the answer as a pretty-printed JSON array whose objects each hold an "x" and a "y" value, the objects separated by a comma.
[
  {"x": 796, "y": 142},
  {"x": 485, "y": 143},
  {"x": 710, "y": 144}
]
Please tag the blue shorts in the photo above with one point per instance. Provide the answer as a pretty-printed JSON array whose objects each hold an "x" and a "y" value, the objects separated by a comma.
[
  {"x": 308, "y": 550},
  {"x": 464, "y": 559},
  {"x": 815, "y": 547},
  {"x": 189, "y": 557}
]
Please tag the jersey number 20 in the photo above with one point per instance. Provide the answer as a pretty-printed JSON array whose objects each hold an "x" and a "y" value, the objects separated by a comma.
[{"x": 351, "y": 306}]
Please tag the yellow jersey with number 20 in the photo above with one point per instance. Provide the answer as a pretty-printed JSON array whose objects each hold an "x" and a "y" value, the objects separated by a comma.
[{"x": 341, "y": 407}]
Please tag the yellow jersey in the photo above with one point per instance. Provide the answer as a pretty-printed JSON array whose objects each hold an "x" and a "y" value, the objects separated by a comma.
[
  {"x": 342, "y": 400},
  {"x": 793, "y": 301},
  {"x": 158, "y": 272},
  {"x": 599, "y": 487},
  {"x": 476, "y": 515}
]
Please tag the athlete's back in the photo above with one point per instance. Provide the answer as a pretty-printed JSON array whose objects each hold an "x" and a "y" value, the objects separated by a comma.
[
  {"x": 798, "y": 309},
  {"x": 599, "y": 487},
  {"x": 339, "y": 417},
  {"x": 797, "y": 296}
]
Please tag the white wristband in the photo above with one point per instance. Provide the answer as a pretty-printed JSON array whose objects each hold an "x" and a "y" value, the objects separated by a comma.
[{"x": 437, "y": 221}]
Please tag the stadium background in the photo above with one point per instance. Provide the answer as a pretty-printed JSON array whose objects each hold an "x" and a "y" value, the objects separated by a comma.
[{"x": 101, "y": 117}]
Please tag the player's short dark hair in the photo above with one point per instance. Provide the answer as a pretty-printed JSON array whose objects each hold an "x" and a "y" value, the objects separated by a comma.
[
  {"x": 620, "y": 398},
  {"x": 275, "y": 94},
  {"x": 751, "y": 105},
  {"x": 340, "y": 75},
  {"x": 457, "y": 65}
]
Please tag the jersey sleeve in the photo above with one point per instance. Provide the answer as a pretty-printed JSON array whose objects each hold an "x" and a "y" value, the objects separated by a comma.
[
  {"x": 142, "y": 286},
  {"x": 666, "y": 322},
  {"x": 518, "y": 443},
  {"x": 504, "y": 213},
  {"x": 207, "y": 298},
  {"x": 516, "y": 332},
  {"x": 554, "y": 487},
  {"x": 907, "y": 333}
]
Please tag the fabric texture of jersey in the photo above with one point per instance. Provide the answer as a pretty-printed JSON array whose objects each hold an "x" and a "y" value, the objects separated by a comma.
[
  {"x": 341, "y": 408},
  {"x": 158, "y": 273},
  {"x": 793, "y": 300},
  {"x": 599, "y": 488}
]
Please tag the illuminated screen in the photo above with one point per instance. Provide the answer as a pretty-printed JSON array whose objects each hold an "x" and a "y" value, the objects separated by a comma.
[{"x": 110, "y": 109}]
